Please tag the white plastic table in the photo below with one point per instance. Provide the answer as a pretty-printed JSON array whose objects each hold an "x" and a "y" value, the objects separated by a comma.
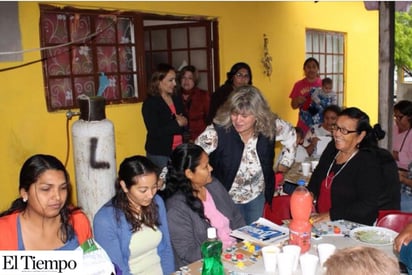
[{"x": 339, "y": 241}]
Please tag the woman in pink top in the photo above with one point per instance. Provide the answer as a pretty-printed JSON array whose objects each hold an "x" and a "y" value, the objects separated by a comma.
[
  {"x": 402, "y": 138},
  {"x": 196, "y": 201},
  {"x": 402, "y": 148},
  {"x": 300, "y": 95}
]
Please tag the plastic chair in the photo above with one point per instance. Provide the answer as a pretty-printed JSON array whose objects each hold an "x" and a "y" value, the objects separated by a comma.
[
  {"x": 393, "y": 219},
  {"x": 279, "y": 211}
]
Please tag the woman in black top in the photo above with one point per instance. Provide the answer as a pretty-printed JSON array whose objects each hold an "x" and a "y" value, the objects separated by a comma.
[
  {"x": 349, "y": 182},
  {"x": 163, "y": 116}
]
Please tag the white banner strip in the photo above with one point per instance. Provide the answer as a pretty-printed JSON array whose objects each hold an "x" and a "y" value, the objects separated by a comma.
[{"x": 41, "y": 262}]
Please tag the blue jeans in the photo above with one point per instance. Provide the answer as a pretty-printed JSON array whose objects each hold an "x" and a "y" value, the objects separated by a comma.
[
  {"x": 406, "y": 202},
  {"x": 160, "y": 161},
  {"x": 252, "y": 210}
]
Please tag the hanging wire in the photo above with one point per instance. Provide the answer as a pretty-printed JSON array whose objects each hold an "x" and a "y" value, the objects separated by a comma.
[
  {"x": 68, "y": 143},
  {"x": 81, "y": 40}
]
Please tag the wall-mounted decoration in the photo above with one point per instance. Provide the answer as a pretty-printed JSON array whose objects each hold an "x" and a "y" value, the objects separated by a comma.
[{"x": 267, "y": 59}]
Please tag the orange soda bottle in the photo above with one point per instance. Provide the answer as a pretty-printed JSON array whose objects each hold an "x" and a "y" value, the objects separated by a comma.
[{"x": 300, "y": 228}]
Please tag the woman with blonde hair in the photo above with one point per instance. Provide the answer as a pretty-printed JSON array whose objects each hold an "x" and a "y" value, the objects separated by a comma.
[
  {"x": 361, "y": 260},
  {"x": 241, "y": 146}
]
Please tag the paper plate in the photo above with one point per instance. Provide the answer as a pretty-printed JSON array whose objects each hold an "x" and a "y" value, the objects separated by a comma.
[{"x": 373, "y": 235}]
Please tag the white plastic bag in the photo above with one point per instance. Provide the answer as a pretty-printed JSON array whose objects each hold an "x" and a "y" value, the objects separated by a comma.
[{"x": 95, "y": 259}]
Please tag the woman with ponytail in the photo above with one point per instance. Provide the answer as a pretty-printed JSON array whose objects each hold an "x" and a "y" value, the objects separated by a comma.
[{"x": 349, "y": 182}]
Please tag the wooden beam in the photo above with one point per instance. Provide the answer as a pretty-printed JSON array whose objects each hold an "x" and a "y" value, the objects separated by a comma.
[{"x": 386, "y": 70}]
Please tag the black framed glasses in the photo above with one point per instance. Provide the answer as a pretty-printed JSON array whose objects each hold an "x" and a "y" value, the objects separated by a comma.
[
  {"x": 240, "y": 75},
  {"x": 398, "y": 117},
  {"x": 342, "y": 130}
]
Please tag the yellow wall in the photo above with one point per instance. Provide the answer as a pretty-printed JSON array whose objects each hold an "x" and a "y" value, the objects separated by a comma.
[{"x": 27, "y": 128}]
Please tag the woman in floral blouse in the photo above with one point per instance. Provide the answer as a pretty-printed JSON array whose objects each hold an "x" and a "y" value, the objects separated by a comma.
[{"x": 241, "y": 146}]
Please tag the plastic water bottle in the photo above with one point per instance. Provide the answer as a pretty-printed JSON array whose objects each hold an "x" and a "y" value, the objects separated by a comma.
[
  {"x": 300, "y": 228},
  {"x": 211, "y": 252}
]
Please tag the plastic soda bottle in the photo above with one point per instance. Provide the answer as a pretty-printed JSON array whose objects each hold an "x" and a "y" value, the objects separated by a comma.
[
  {"x": 211, "y": 253},
  {"x": 300, "y": 228}
]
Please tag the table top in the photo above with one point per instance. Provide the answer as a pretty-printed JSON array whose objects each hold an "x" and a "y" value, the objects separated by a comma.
[
  {"x": 256, "y": 266},
  {"x": 295, "y": 173}
]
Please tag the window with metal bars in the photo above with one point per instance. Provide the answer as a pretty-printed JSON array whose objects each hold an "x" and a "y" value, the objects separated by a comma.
[
  {"x": 328, "y": 48},
  {"x": 105, "y": 53}
]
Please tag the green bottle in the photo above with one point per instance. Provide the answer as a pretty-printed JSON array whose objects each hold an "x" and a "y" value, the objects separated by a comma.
[{"x": 211, "y": 253}]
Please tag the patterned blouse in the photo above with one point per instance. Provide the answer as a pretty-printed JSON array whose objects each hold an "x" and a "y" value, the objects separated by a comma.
[{"x": 249, "y": 180}]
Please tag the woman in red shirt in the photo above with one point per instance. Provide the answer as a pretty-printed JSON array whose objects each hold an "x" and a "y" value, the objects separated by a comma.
[
  {"x": 300, "y": 95},
  {"x": 195, "y": 100}
]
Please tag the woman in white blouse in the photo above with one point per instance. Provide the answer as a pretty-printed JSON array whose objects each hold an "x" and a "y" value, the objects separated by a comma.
[{"x": 241, "y": 146}]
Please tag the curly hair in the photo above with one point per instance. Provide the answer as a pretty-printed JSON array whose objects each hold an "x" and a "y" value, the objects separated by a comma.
[
  {"x": 248, "y": 99},
  {"x": 185, "y": 156},
  {"x": 30, "y": 172},
  {"x": 129, "y": 169}
]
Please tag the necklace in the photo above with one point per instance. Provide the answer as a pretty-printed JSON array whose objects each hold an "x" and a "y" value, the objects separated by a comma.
[
  {"x": 328, "y": 184},
  {"x": 404, "y": 138}
]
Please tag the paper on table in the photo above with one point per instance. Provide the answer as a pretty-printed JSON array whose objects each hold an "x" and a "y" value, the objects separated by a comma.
[
  {"x": 268, "y": 231},
  {"x": 321, "y": 145}
]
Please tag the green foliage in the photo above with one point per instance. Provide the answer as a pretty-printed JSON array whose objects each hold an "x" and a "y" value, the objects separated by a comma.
[{"x": 403, "y": 39}]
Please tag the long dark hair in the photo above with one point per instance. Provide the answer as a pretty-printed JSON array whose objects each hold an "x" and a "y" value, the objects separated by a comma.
[
  {"x": 235, "y": 68},
  {"x": 31, "y": 170},
  {"x": 128, "y": 170},
  {"x": 185, "y": 156},
  {"x": 311, "y": 59},
  {"x": 373, "y": 134}
]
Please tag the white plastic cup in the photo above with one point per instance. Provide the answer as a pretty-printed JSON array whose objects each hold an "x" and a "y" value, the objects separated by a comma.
[
  {"x": 269, "y": 255},
  {"x": 314, "y": 163},
  {"x": 325, "y": 250},
  {"x": 295, "y": 251},
  {"x": 285, "y": 263},
  {"x": 306, "y": 168},
  {"x": 308, "y": 264}
]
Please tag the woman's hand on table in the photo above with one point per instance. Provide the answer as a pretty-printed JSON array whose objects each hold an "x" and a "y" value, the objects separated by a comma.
[
  {"x": 322, "y": 217},
  {"x": 404, "y": 237}
]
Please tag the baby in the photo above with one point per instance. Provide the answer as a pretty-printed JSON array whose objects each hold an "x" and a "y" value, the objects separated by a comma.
[{"x": 321, "y": 98}]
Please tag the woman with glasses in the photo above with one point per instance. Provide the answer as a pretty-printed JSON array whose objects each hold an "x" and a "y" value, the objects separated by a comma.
[
  {"x": 239, "y": 75},
  {"x": 402, "y": 149},
  {"x": 348, "y": 182}
]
